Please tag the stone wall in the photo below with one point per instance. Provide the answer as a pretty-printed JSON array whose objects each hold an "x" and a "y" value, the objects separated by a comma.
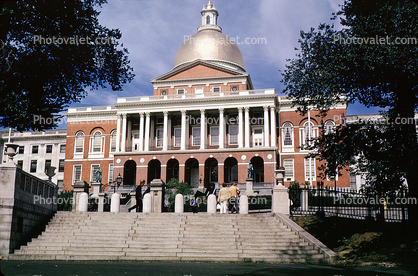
[{"x": 27, "y": 203}]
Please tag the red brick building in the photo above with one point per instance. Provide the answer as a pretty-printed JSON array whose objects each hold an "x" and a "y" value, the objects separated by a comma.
[{"x": 203, "y": 124}]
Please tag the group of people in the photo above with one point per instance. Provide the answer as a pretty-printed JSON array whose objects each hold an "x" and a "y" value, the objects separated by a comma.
[{"x": 228, "y": 198}]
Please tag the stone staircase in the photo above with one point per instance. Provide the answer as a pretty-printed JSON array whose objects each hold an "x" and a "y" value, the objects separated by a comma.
[{"x": 174, "y": 237}]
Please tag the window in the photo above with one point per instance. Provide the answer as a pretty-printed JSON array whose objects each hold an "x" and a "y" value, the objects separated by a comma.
[
  {"x": 233, "y": 135},
  {"x": 35, "y": 149},
  {"x": 177, "y": 137},
  {"x": 353, "y": 182},
  {"x": 62, "y": 149},
  {"x": 198, "y": 90},
  {"x": 76, "y": 173},
  {"x": 61, "y": 165},
  {"x": 47, "y": 163},
  {"x": 329, "y": 127},
  {"x": 113, "y": 141},
  {"x": 180, "y": 91},
  {"x": 33, "y": 165},
  {"x": 164, "y": 93},
  {"x": 258, "y": 137},
  {"x": 21, "y": 149},
  {"x": 97, "y": 142},
  {"x": 308, "y": 133},
  {"x": 216, "y": 89},
  {"x": 196, "y": 136},
  {"x": 20, "y": 163},
  {"x": 79, "y": 142},
  {"x": 94, "y": 167},
  {"x": 160, "y": 135},
  {"x": 214, "y": 136},
  {"x": 110, "y": 173},
  {"x": 313, "y": 171},
  {"x": 288, "y": 165},
  {"x": 208, "y": 19},
  {"x": 288, "y": 134},
  {"x": 48, "y": 148}
]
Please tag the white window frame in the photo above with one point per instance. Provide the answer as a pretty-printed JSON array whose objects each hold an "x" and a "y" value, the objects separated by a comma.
[
  {"x": 159, "y": 140},
  {"x": 216, "y": 87},
  {"x": 313, "y": 170},
  {"x": 231, "y": 140},
  {"x": 110, "y": 173},
  {"x": 303, "y": 130},
  {"x": 181, "y": 89},
  {"x": 289, "y": 165},
  {"x": 198, "y": 90},
  {"x": 177, "y": 139},
  {"x": 196, "y": 137},
  {"x": 74, "y": 172},
  {"x": 255, "y": 138},
  {"x": 113, "y": 140},
  {"x": 329, "y": 127},
  {"x": 79, "y": 139},
  {"x": 214, "y": 139},
  {"x": 93, "y": 168},
  {"x": 285, "y": 126}
]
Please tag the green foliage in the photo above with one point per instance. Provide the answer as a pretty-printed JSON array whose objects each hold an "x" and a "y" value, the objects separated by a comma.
[
  {"x": 173, "y": 188},
  {"x": 42, "y": 79},
  {"x": 65, "y": 201},
  {"x": 327, "y": 71}
]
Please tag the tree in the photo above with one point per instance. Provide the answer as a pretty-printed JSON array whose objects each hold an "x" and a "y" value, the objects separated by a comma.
[
  {"x": 365, "y": 62},
  {"x": 51, "y": 52}
]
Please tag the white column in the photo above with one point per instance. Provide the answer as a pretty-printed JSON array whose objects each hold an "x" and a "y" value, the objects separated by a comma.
[
  {"x": 141, "y": 131},
  {"x": 240, "y": 128},
  {"x": 123, "y": 143},
  {"x": 165, "y": 132},
  {"x": 266, "y": 127},
  {"x": 118, "y": 134},
  {"x": 203, "y": 136},
  {"x": 247, "y": 132},
  {"x": 273, "y": 126},
  {"x": 129, "y": 133},
  {"x": 147, "y": 128},
  {"x": 183, "y": 130},
  {"x": 221, "y": 129}
]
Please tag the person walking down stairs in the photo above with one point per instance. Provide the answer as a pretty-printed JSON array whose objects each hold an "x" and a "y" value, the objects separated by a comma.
[{"x": 223, "y": 197}]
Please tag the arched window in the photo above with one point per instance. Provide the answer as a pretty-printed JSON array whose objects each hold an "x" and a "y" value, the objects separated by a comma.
[
  {"x": 329, "y": 127},
  {"x": 97, "y": 141},
  {"x": 308, "y": 132},
  {"x": 113, "y": 141},
  {"x": 79, "y": 142},
  {"x": 208, "y": 19},
  {"x": 288, "y": 134}
]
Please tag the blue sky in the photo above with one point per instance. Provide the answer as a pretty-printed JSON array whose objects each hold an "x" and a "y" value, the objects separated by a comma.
[{"x": 153, "y": 30}]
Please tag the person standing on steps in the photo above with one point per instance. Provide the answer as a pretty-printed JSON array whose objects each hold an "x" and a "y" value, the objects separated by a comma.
[
  {"x": 194, "y": 204},
  {"x": 138, "y": 197},
  {"x": 223, "y": 197},
  {"x": 234, "y": 190}
]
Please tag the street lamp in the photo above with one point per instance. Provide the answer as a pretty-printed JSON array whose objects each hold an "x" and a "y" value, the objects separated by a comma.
[{"x": 119, "y": 180}]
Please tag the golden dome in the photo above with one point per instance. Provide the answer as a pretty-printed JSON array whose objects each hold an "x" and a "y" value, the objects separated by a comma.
[{"x": 211, "y": 45}]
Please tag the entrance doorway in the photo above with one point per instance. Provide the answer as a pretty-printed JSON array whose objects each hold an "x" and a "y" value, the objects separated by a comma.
[
  {"x": 192, "y": 172},
  {"x": 154, "y": 170},
  {"x": 129, "y": 173},
  {"x": 211, "y": 172}
]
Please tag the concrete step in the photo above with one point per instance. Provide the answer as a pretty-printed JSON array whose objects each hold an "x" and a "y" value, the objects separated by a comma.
[{"x": 169, "y": 237}]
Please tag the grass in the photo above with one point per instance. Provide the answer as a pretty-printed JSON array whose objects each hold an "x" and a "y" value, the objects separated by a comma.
[{"x": 366, "y": 243}]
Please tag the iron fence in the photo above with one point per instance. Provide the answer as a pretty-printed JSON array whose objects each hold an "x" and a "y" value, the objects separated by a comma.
[{"x": 348, "y": 203}]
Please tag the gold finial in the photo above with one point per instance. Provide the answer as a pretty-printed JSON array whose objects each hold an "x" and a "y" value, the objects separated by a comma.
[{"x": 209, "y": 5}]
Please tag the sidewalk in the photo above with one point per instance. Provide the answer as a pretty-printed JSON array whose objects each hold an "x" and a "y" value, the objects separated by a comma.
[{"x": 54, "y": 268}]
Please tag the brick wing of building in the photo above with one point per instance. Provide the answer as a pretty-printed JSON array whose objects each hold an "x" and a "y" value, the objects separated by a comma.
[{"x": 203, "y": 125}]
